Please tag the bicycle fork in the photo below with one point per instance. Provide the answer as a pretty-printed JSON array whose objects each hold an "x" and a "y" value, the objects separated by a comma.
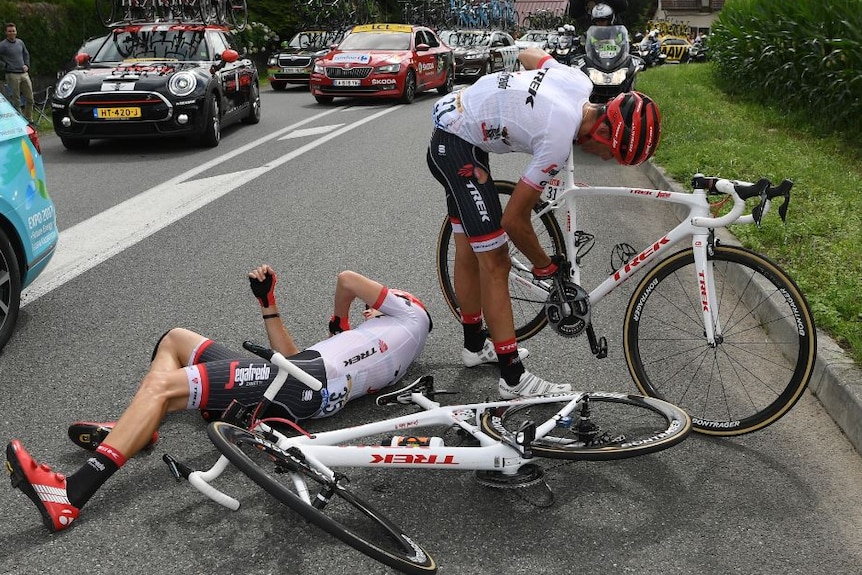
[{"x": 703, "y": 246}]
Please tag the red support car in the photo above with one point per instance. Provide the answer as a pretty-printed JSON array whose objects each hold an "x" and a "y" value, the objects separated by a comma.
[{"x": 384, "y": 61}]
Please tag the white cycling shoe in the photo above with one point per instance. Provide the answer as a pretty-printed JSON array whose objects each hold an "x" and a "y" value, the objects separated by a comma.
[
  {"x": 486, "y": 355},
  {"x": 530, "y": 385}
]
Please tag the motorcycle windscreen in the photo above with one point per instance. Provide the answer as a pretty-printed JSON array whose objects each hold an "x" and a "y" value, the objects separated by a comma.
[{"x": 607, "y": 47}]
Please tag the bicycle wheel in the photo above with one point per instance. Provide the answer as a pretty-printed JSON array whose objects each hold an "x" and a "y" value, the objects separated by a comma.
[
  {"x": 347, "y": 517},
  {"x": 528, "y": 309},
  {"x": 759, "y": 367},
  {"x": 238, "y": 14},
  {"x": 604, "y": 426},
  {"x": 105, "y": 10}
]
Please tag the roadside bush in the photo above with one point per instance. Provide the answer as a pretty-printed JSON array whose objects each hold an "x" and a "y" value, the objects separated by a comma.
[
  {"x": 53, "y": 32},
  {"x": 259, "y": 40},
  {"x": 804, "y": 56}
]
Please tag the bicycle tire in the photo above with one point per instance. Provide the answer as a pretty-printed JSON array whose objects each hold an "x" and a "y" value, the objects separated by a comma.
[
  {"x": 754, "y": 374},
  {"x": 528, "y": 311},
  {"x": 105, "y": 11},
  {"x": 238, "y": 12},
  {"x": 251, "y": 453},
  {"x": 629, "y": 426}
]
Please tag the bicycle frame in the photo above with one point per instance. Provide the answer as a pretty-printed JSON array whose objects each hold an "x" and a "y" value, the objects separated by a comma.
[
  {"x": 697, "y": 225},
  {"x": 322, "y": 450}
]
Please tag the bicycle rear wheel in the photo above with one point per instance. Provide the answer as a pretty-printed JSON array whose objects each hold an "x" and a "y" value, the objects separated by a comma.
[
  {"x": 346, "y": 516},
  {"x": 604, "y": 426},
  {"x": 759, "y": 366},
  {"x": 528, "y": 309}
]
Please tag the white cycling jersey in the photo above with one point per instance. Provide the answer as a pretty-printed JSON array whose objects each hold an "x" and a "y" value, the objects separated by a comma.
[
  {"x": 377, "y": 352},
  {"x": 539, "y": 113}
]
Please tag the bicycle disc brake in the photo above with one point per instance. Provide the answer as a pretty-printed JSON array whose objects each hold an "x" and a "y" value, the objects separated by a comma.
[{"x": 568, "y": 313}]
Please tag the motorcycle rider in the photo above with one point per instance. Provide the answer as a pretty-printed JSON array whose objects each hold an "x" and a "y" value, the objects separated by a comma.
[{"x": 602, "y": 15}]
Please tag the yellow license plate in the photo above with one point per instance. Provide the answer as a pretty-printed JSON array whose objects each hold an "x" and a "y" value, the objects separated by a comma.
[{"x": 117, "y": 113}]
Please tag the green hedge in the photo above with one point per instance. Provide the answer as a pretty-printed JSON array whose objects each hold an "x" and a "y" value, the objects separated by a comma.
[
  {"x": 804, "y": 56},
  {"x": 53, "y": 31}
]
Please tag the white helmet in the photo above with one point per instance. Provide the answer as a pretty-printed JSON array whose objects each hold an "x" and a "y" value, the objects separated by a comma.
[{"x": 602, "y": 12}]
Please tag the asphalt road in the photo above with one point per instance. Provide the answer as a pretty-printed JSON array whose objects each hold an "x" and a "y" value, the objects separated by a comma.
[{"x": 313, "y": 199}]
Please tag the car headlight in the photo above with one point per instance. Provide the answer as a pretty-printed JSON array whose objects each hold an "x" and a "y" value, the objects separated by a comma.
[
  {"x": 182, "y": 84},
  {"x": 318, "y": 67},
  {"x": 66, "y": 86},
  {"x": 473, "y": 56},
  {"x": 615, "y": 78},
  {"x": 388, "y": 68},
  {"x": 272, "y": 61}
]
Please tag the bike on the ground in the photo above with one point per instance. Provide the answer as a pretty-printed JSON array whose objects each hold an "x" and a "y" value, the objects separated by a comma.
[
  {"x": 717, "y": 329},
  {"x": 500, "y": 440}
]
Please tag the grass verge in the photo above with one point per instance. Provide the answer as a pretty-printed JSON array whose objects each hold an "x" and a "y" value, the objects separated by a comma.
[{"x": 705, "y": 130}]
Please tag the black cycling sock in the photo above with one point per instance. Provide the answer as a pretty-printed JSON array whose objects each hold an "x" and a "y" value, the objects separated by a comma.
[
  {"x": 82, "y": 484},
  {"x": 511, "y": 367},
  {"x": 474, "y": 336}
]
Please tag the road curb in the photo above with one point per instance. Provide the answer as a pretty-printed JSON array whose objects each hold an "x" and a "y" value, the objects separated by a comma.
[{"x": 836, "y": 381}]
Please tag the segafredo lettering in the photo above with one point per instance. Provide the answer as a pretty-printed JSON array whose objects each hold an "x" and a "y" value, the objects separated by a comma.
[{"x": 243, "y": 376}]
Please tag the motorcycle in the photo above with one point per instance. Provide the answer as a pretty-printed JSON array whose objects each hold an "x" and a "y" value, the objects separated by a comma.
[
  {"x": 697, "y": 52},
  {"x": 563, "y": 50},
  {"x": 650, "y": 52},
  {"x": 608, "y": 62}
]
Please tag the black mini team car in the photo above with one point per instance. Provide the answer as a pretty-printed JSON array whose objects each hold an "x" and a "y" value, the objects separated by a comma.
[{"x": 157, "y": 80}]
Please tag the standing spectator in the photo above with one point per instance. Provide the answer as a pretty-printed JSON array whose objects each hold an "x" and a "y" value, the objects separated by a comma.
[{"x": 16, "y": 58}]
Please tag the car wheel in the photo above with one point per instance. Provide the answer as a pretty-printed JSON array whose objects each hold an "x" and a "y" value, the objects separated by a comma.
[
  {"x": 212, "y": 126},
  {"x": 254, "y": 102},
  {"x": 10, "y": 289},
  {"x": 323, "y": 99},
  {"x": 75, "y": 143},
  {"x": 449, "y": 84},
  {"x": 409, "y": 87},
  {"x": 278, "y": 86}
]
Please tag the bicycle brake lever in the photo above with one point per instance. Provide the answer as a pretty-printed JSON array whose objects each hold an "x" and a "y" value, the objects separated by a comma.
[{"x": 178, "y": 469}]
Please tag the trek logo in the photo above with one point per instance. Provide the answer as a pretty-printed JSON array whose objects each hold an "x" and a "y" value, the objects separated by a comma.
[
  {"x": 247, "y": 376},
  {"x": 466, "y": 171},
  {"x": 359, "y": 357},
  {"x": 408, "y": 459},
  {"x": 480, "y": 203},
  {"x": 641, "y": 258},
  {"x": 382, "y": 344},
  {"x": 534, "y": 86}
]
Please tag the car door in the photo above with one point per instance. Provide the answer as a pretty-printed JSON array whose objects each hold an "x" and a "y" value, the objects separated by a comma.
[
  {"x": 428, "y": 71},
  {"x": 507, "y": 52}
]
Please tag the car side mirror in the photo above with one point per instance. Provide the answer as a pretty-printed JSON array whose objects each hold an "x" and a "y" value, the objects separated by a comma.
[
  {"x": 82, "y": 59},
  {"x": 423, "y": 48},
  {"x": 229, "y": 56}
]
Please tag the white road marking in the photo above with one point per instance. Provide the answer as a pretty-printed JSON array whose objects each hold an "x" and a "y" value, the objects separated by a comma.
[
  {"x": 93, "y": 241},
  {"x": 310, "y": 132}
]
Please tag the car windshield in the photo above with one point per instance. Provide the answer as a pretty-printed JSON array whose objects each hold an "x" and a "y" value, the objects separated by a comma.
[
  {"x": 132, "y": 44},
  {"x": 376, "y": 41},
  {"x": 470, "y": 39},
  {"x": 313, "y": 40}
]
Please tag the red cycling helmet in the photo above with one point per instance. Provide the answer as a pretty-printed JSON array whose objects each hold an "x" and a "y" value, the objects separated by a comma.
[{"x": 635, "y": 127}]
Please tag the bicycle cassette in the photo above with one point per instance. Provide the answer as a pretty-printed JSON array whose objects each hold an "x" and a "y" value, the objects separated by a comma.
[{"x": 568, "y": 314}]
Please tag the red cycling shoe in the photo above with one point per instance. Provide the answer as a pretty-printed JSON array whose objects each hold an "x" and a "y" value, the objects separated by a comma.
[
  {"x": 44, "y": 487},
  {"x": 89, "y": 435}
]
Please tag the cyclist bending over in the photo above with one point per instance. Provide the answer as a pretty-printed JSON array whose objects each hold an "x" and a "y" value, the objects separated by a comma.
[
  {"x": 541, "y": 111},
  {"x": 190, "y": 371}
]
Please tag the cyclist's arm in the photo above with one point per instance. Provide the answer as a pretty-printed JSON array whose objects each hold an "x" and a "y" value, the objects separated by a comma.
[
  {"x": 352, "y": 285},
  {"x": 279, "y": 338},
  {"x": 516, "y": 222},
  {"x": 533, "y": 58}
]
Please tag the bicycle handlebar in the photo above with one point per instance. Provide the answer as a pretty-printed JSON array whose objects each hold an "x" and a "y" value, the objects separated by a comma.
[
  {"x": 284, "y": 365},
  {"x": 741, "y": 191}
]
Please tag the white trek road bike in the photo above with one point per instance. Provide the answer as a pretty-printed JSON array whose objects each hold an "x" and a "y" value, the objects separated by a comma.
[
  {"x": 719, "y": 330},
  {"x": 497, "y": 439}
]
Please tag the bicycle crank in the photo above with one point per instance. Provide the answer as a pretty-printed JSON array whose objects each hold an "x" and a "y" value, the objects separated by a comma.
[
  {"x": 568, "y": 313},
  {"x": 529, "y": 475}
]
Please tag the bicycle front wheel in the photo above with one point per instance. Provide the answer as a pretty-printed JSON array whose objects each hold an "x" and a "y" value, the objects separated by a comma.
[
  {"x": 528, "y": 303},
  {"x": 335, "y": 509},
  {"x": 604, "y": 426},
  {"x": 763, "y": 357}
]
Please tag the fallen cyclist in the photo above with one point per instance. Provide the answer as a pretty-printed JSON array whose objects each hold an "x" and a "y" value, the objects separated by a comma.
[{"x": 190, "y": 371}]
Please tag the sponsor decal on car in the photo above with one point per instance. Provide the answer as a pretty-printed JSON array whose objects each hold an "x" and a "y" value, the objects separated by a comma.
[{"x": 351, "y": 57}]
